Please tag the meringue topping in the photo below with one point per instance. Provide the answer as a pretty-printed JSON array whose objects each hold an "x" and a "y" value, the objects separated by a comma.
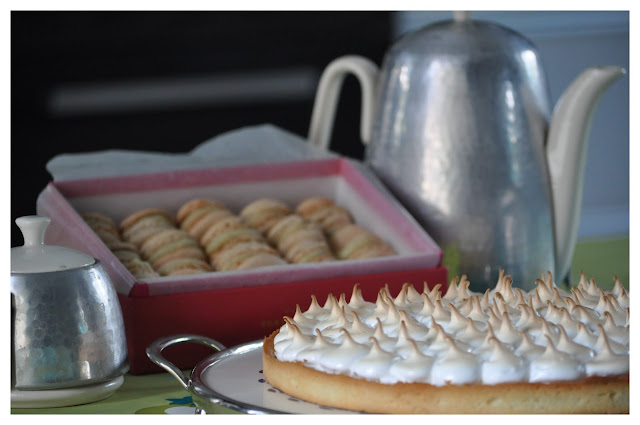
[{"x": 461, "y": 337}]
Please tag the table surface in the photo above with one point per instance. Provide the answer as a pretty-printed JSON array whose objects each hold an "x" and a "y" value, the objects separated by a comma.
[{"x": 162, "y": 393}]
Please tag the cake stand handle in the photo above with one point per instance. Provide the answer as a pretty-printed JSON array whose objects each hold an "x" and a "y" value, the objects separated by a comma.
[{"x": 154, "y": 352}]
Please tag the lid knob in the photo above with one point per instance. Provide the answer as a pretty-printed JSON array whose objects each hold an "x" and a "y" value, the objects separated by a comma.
[{"x": 33, "y": 228}]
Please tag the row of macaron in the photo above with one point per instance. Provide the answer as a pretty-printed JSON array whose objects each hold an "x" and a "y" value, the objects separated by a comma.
[{"x": 205, "y": 235}]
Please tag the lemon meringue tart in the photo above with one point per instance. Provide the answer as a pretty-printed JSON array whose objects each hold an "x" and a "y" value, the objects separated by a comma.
[{"x": 506, "y": 351}]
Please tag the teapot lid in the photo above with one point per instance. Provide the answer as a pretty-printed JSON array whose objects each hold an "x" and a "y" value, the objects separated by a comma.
[{"x": 37, "y": 257}]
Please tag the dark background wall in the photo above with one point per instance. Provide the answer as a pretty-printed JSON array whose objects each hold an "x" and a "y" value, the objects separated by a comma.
[
  {"x": 168, "y": 81},
  {"x": 65, "y": 65}
]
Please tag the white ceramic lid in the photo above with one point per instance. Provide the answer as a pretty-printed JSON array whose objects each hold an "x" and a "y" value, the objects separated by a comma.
[{"x": 36, "y": 257}]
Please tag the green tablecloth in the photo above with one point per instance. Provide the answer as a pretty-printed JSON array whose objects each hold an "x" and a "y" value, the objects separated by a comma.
[{"x": 161, "y": 393}]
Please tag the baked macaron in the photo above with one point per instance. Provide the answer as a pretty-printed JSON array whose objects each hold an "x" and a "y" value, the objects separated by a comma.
[
  {"x": 310, "y": 251},
  {"x": 300, "y": 240},
  {"x": 183, "y": 266},
  {"x": 325, "y": 212},
  {"x": 198, "y": 215},
  {"x": 226, "y": 233},
  {"x": 242, "y": 256},
  {"x": 140, "y": 225},
  {"x": 169, "y": 244},
  {"x": 263, "y": 213},
  {"x": 101, "y": 223},
  {"x": 354, "y": 242},
  {"x": 141, "y": 269}
]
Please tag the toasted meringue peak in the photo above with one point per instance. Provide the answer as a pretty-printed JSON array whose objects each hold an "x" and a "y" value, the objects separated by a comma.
[
  {"x": 465, "y": 306},
  {"x": 558, "y": 299},
  {"x": 374, "y": 363},
  {"x": 499, "y": 351},
  {"x": 452, "y": 290},
  {"x": 457, "y": 321},
  {"x": 428, "y": 308},
  {"x": 617, "y": 333},
  {"x": 380, "y": 335},
  {"x": 565, "y": 344},
  {"x": 348, "y": 340},
  {"x": 331, "y": 300},
  {"x": 357, "y": 301},
  {"x": 385, "y": 291},
  {"x": 519, "y": 297},
  {"x": 545, "y": 330},
  {"x": 578, "y": 296},
  {"x": 604, "y": 342},
  {"x": 342, "y": 300},
  {"x": 381, "y": 305},
  {"x": 403, "y": 334},
  {"x": 528, "y": 349},
  {"x": 620, "y": 293},
  {"x": 548, "y": 280},
  {"x": 413, "y": 296},
  {"x": 298, "y": 342},
  {"x": 567, "y": 323},
  {"x": 506, "y": 333},
  {"x": 508, "y": 294},
  {"x": 618, "y": 289},
  {"x": 584, "y": 336},
  {"x": 494, "y": 318},
  {"x": 527, "y": 318},
  {"x": 544, "y": 292},
  {"x": 617, "y": 313},
  {"x": 484, "y": 301},
  {"x": 359, "y": 330},
  {"x": 455, "y": 367},
  {"x": 317, "y": 349},
  {"x": 301, "y": 320},
  {"x": 583, "y": 281},
  {"x": 413, "y": 327},
  {"x": 501, "y": 280},
  {"x": 554, "y": 365},
  {"x": 570, "y": 303},
  {"x": 502, "y": 365},
  {"x": 471, "y": 335},
  {"x": 603, "y": 303},
  {"x": 587, "y": 316},
  {"x": 535, "y": 301},
  {"x": 592, "y": 289},
  {"x": 393, "y": 316},
  {"x": 608, "y": 362},
  {"x": 314, "y": 309},
  {"x": 415, "y": 367},
  {"x": 439, "y": 312},
  {"x": 463, "y": 288},
  {"x": 501, "y": 306},
  {"x": 476, "y": 312},
  {"x": 435, "y": 294},
  {"x": 437, "y": 337},
  {"x": 553, "y": 313},
  {"x": 401, "y": 298}
]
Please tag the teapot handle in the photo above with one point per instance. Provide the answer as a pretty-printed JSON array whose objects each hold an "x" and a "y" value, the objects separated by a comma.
[{"x": 324, "y": 107}]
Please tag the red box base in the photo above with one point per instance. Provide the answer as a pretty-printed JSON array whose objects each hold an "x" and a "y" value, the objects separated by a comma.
[{"x": 236, "y": 315}]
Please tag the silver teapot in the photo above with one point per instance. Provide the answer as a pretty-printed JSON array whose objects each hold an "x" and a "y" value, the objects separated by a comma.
[
  {"x": 67, "y": 325},
  {"x": 458, "y": 124}
]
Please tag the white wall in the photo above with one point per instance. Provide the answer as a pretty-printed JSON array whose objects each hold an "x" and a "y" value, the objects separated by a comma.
[{"x": 569, "y": 42}]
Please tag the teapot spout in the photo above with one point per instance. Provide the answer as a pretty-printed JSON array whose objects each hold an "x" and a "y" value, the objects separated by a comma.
[{"x": 566, "y": 152}]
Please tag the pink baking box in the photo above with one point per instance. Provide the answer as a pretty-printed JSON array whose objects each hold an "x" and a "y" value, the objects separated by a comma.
[{"x": 239, "y": 306}]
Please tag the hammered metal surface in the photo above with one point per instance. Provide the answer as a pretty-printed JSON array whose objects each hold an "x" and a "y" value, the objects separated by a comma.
[
  {"x": 67, "y": 329},
  {"x": 459, "y": 138}
]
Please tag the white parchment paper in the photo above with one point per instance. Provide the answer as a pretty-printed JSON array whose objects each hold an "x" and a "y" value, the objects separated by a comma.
[{"x": 248, "y": 145}]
